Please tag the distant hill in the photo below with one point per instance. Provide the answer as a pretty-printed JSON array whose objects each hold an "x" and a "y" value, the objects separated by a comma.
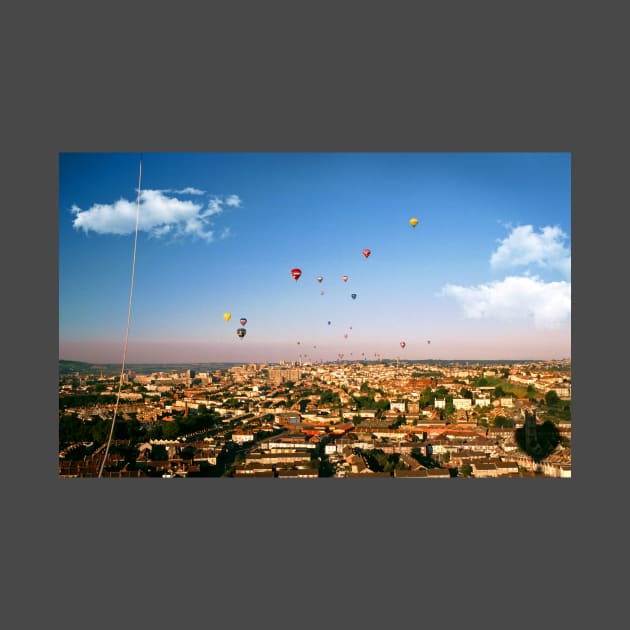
[
  {"x": 70, "y": 367},
  {"x": 108, "y": 369}
]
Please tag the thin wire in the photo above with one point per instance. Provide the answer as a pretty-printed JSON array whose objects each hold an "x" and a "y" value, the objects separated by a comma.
[{"x": 122, "y": 367}]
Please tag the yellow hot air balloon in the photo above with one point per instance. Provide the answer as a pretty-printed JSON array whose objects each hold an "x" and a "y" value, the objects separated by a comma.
[
  {"x": 413, "y": 222},
  {"x": 227, "y": 316}
]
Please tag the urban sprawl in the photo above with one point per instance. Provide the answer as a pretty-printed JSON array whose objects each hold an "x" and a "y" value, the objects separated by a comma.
[{"x": 308, "y": 420}]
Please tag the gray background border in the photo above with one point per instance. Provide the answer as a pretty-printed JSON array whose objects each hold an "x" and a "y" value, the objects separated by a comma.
[{"x": 362, "y": 77}]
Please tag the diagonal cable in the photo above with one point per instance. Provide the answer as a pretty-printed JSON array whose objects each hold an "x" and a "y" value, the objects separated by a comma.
[{"x": 122, "y": 367}]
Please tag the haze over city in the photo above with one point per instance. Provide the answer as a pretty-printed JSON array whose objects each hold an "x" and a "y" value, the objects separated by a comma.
[{"x": 485, "y": 274}]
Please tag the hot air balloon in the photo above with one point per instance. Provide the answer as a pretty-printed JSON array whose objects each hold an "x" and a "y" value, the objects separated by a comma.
[
  {"x": 329, "y": 323},
  {"x": 296, "y": 273},
  {"x": 428, "y": 341},
  {"x": 319, "y": 279},
  {"x": 413, "y": 222},
  {"x": 346, "y": 335},
  {"x": 353, "y": 296},
  {"x": 227, "y": 316},
  {"x": 403, "y": 344},
  {"x": 345, "y": 278},
  {"x": 366, "y": 253},
  {"x": 243, "y": 321},
  {"x": 321, "y": 293},
  {"x": 241, "y": 332}
]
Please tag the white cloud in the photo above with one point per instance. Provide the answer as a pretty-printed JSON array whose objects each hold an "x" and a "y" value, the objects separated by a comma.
[
  {"x": 234, "y": 201},
  {"x": 548, "y": 304},
  {"x": 191, "y": 191},
  {"x": 524, "y": 247},
  {"x": 215, "y": 206},
  {"x": 159, "y": 215}
]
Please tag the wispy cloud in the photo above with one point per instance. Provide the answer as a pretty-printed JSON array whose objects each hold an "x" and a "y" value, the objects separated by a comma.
[
  {"x": 215, "y": 206},
  {"x": 234, "y": 201},
  {"x": 548, "y": 304},
  {"x": 523, "y": 247},
  {"x": 190, "y": 191},
  {"x": 160, "y": 215}
]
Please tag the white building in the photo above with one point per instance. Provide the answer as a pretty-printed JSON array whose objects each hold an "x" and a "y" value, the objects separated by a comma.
[
  {"x": 462, "y": 403},
  {"x": 240, "y": 437}
]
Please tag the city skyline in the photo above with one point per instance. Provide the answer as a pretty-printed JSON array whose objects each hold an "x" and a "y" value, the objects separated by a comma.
[{"x": 484, "y": 275}]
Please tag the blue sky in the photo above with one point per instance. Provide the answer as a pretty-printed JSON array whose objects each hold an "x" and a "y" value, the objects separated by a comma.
[{"x": 484, "y": 275}]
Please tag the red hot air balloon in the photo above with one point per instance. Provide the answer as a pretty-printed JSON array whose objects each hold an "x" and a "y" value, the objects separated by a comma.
[
  {"x": 319, "y": 279},
  {"x": 403, "y": 344},
  {"x": 296, "y": 273},
  {"x": 345, "y": 278},
  {"x": 243, "y": 321},
  {"x": 366, "y": 253}
]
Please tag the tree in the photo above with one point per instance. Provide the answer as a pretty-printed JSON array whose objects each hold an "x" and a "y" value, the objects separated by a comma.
[
  {"x": 70, "y": 430},
  {"x": 499, "y": 421},
  {"x": 128, "y": 453},
  {"x": 547, "y": 438},
  {"x": 326, "y": 469},
  {"x": 499, "y": 392},
  {"x": 100, "y": 430},
  {"x": 426, "y": 460},
  {"x": 466, "y": 470},
  {"x": 170, "y": 429},
  {"x": 393, "y": 463},
  {"x": 188, "y": 452},
  {"x": 328, "y": 396},
  {"x": 502, "y": 421},
  {"x": 552, "y": 398},
  {"x": 427, "y": 397},
  {"x": 159, "y": 452}
]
